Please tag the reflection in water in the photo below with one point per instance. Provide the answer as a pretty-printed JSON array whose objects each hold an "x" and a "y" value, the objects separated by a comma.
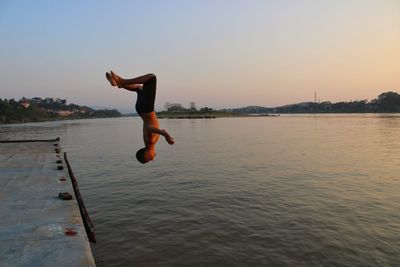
[{"x": 295, "y": 190}]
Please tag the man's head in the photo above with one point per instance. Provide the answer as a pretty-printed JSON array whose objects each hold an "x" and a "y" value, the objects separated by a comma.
[{"x": 144, "y": 155}]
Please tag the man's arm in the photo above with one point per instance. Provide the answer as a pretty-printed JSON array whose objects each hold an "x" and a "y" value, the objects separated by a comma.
[{"x": 162, "y": 132}]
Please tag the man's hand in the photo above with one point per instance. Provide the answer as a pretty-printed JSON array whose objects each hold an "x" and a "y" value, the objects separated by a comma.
[
  {"x": 163, "y": 132},
  {"x": 168, "y": 138}
]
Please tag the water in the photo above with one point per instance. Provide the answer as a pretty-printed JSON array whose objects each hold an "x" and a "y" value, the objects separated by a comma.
[{"x": 305, "y": 190}]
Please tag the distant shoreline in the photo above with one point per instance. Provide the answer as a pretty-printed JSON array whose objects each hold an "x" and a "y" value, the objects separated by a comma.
[
  {"x": 54, "y": 109},
  {"x": 192, "y": 115},
  {"x": 210, "y": 115}
]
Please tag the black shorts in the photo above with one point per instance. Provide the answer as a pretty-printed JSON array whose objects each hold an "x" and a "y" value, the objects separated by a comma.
[{"x": 146, "y": 97}]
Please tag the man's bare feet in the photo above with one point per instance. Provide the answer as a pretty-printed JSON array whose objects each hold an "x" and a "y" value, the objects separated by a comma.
[
  {"x": 110, "y": 79},
  {"x": 118, "y": 80}
]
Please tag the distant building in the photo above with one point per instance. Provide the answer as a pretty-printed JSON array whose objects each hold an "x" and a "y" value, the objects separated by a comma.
[
  {"x": 65, "y": 113},
  {"x": 25, "y": 103}
]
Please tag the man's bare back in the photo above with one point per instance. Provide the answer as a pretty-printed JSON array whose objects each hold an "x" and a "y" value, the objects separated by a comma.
[{"x": 145, "y": 87}]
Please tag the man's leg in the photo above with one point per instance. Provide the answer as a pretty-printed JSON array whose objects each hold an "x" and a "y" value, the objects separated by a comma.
[
  {"x": 129, "y": 84},
  {"x": 138, "y": 80}
]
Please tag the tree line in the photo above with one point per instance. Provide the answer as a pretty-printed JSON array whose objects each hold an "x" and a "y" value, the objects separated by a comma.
[
  {"x": 38, "y": 109},
  {"x": 385, "y": 102},
  {"x": 179, "y": 108}
]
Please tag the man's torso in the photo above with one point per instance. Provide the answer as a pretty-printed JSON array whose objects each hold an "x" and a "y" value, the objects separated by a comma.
[{"x": 149, "y": 120}]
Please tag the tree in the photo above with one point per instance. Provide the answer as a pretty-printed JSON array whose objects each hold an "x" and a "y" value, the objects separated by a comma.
[
  {"x": 175, "y": 107},
  {"x": 192, "y": 107},
  {"x": 389, "y": 101},
  {"x": 206, "y": 109},
  {"x": 167, "y": 106}
]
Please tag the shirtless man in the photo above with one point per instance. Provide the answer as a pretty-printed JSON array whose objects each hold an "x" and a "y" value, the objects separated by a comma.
[{"x": 145, "y": 87}]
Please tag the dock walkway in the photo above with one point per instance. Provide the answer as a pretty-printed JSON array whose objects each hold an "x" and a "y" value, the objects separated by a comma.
[{"x": 37, "y": 228}]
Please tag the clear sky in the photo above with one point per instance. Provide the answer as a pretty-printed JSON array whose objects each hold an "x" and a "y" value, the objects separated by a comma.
[{"x": 223, "y": 53}]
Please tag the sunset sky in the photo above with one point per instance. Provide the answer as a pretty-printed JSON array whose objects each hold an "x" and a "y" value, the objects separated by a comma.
[{"x": 214, "y": 53}]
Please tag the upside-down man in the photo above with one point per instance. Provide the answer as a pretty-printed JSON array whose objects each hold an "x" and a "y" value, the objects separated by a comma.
[{"x": 145, "y": 87}]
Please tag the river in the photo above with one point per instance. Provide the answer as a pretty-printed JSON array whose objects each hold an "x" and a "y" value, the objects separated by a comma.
[{"x": 294, "y": 190}]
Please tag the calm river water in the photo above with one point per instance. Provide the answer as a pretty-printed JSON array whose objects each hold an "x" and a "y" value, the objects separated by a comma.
[{"x": 294, "y": 190}]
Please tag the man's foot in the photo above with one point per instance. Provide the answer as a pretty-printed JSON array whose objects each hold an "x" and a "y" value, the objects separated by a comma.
[
  {"x": 110, "y": 79},
  {"x": 118, "y": 80}
]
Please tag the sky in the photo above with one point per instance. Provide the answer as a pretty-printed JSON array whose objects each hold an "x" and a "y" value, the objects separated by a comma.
[{"x": 219, "y": 54}]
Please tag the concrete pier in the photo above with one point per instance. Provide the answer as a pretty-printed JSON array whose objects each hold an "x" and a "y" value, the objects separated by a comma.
[{"x": 37, "y": 227}]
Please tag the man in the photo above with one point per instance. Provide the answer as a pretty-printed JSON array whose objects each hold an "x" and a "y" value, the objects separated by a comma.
[{"x": 145, "y": 87}]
